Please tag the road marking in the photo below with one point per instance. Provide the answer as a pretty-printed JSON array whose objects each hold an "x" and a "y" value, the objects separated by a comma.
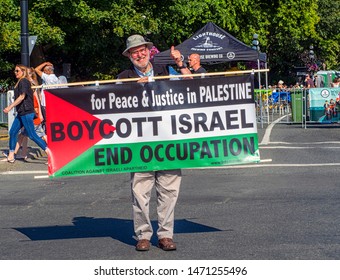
[
  {"x": 307, "y": 143},
  {"x": 28, "y": 173},
  {"x": 24, "y": 172},
  {"x": 41, "y": 177},
  {"x": 272, "y": 165},
  {"x": 296, "y": 147},
  {"x": 266, "y": 160},
  {"x": 266, "y": 137}
]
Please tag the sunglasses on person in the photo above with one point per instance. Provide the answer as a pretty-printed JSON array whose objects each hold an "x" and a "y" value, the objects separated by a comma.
[{"x": 17, "y": 71}]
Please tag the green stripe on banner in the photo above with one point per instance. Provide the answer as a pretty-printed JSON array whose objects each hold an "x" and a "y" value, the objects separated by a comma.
[{"x": 164, "y": 155}]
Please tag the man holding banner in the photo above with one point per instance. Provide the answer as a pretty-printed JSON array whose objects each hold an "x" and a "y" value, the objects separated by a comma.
[
  {"x": 167, "y": 182},
  {"x": 152, "y": 129}
]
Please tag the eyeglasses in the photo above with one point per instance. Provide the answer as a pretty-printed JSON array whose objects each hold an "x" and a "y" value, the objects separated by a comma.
[
  {"x": 136, "y": 52},
  {"x": 17, "y": 71}
]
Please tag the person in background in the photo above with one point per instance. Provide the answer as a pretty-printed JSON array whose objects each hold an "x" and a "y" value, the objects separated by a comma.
[
  {"x": 333, "y": 108},
  {"x": 62, "y": 81},
  {"x": 22, "y": 142},
  {"x": 179, "y": 60},
  {"x": 23, "y": 136},
  {"x": 318, "y": 81},
  {"x": 297, "y": 85},
  {"x": 46, "y": 72},
  {"x": 327, "y": 110},
  {"x": 166, "y": 182},
  {"x": 37, "y": 106},
  {"x": 280, "y": 85},
  {"x": 336, "y": 82},
  {"x": 24, "y": 105},
  {"x": 337, "y": 101},
  {"x": 195, "y": 64},
  {"x": 309, "y": 83}
]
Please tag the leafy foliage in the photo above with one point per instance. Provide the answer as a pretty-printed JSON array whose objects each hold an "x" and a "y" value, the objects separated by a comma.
[
  {"x": 328, "y": 30},
  {"x": 90, "y": 34}
]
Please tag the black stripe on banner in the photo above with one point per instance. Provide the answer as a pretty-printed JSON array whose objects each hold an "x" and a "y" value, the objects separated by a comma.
[{"x": 160, "y": 95}]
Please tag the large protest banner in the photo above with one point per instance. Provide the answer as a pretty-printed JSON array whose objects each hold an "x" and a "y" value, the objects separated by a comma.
[{"x": 164, "y": 124}]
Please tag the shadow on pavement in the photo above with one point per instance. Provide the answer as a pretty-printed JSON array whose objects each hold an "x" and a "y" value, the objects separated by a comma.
[{"x": 119, "y": 229}]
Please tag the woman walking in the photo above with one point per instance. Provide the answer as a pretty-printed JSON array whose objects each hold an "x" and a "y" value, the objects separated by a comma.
[{"x": 24, "y": 105}]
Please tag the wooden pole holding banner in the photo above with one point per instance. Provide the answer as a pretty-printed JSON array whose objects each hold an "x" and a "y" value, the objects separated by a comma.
[{"x": 97, "y": 83}]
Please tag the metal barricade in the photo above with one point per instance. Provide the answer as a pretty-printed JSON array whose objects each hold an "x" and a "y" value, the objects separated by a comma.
[
  {"x": 5, "y": 99},
  {"x": 289, "y": 106},
  {"x": 3, "y": 105},
  {"x": 262, "y": 104}
]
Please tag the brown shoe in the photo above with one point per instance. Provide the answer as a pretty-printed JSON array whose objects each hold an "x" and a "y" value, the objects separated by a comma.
[
  {"x": 143, "y": 245},
  {"x": 166, "y": 244}
]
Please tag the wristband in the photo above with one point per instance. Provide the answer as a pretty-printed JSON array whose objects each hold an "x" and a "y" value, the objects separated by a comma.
[{"x": 184, "y": 65}]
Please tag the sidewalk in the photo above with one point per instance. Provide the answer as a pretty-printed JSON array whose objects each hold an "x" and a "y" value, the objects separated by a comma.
[
  {"x": 3, "y": 131},
  {"x": 36, "y": 158}
]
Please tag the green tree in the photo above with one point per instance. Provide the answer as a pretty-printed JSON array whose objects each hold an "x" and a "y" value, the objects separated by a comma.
[
  {"x": 91, "y": 34},
  {"x": 290, "y": 32},
  {"x": 10, "y": 31},
  {"x": 328, "y": 45}
]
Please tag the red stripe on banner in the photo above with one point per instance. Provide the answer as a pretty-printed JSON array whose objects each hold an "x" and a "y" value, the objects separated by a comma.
[{"x": 70, "y": 131}]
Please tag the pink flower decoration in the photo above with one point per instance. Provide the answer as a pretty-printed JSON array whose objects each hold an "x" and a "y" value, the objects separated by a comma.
[{"x": 153, "y": 51}]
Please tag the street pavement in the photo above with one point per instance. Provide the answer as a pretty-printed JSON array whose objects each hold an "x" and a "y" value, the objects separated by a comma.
[{"x": 287, "y": 207}]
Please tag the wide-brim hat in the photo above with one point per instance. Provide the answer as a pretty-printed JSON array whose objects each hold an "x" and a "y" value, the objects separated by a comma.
[{"x": 135, "y": 41}]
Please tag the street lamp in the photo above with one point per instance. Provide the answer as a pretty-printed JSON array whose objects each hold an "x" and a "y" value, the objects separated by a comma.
[
  {"x": 256, "y": 46},
  {"x": 311, "y": 53},
  {"x": 255, "y": 42}
]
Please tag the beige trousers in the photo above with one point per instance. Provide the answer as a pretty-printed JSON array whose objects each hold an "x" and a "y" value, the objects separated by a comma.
[{"x": 167, "y": 183}]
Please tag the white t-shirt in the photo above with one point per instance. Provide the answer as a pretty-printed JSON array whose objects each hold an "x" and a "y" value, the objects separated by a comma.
[{"x": 50, "y": 79}]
